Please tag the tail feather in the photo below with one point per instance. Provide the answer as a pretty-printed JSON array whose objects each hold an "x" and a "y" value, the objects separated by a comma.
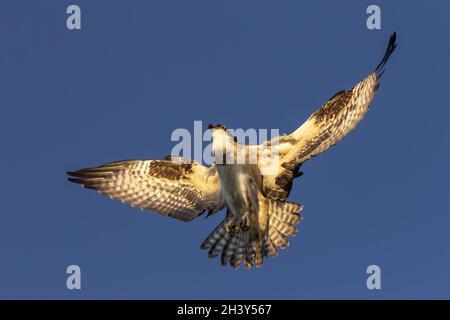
[
  {"x": 278, "y": 239},
  {"x": 216, "y": 235},
  {"x": 256, "y": 247},
  {"x": 265, "y": 247},
  {"x": 290, "y": 217},
  {"x": 247, "y": 265},
  {"x": 286, "y": 211},
  {"x": 218, "y": 247},
  {"x": 246, "y": 255},
  {"x": 283, "y": 216},
  {"x": 270, "y": 248},
  {"x": 239, "y": 253},
  {"x": 230, "y": 249},
  {"x": 268, "y": 231},
  {"x": 282, "y": 227}
]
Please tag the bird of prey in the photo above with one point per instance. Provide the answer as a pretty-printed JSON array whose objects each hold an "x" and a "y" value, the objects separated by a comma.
[{"x": 259, "y": 218}]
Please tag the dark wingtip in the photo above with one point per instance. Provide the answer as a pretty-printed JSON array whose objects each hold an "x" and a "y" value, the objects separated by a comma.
[
  {"x": 71, "y": 175},
  {"x": 75, "y": 180},
  {"x": 390, "y": 48},
  {"x": 76, "y": 174},
  {"x": 76, "y": 177}
]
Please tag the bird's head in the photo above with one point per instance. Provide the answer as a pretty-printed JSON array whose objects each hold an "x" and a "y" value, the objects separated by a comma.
[
  {"x": 220, "y": 133},
  {"x": 223, "y": 142},
  {"x": 217, "y": 127}
]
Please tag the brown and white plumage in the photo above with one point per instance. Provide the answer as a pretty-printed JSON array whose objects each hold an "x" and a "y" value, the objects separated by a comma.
[
  {"x": 259, "y": 220},
  {"x": 176, "y": 189},
  {"x": 323, "y": 129}
]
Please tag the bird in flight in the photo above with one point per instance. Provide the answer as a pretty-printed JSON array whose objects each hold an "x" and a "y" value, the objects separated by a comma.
[{"x": 258, "y": 218}]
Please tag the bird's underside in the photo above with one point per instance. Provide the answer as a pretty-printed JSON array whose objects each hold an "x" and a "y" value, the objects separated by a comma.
[{"x": 259, "y": 219}]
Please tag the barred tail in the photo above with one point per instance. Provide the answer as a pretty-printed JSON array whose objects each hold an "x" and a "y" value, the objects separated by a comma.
[
  {"x": 235, "y": 247},
  {"x": 283, "y": 217},
  {"x": 267, "y": 232},
  {"x": 217, "y": 240}
]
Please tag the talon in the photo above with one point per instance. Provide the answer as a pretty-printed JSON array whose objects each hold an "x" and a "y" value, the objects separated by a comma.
[
  {"x": 232, "y": 230},
  {"x": 245, "y": 223}
]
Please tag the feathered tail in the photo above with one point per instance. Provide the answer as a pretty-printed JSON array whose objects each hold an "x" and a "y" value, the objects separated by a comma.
[{"x": 267, "y": 232}]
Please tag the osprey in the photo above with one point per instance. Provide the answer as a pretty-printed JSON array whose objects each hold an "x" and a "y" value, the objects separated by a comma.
[{"x": 258, "y": 219}]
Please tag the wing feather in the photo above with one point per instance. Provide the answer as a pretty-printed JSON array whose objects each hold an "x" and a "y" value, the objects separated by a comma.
[
  {"x": 179, "y": 190},
  {"x": 323, "y": 129}
]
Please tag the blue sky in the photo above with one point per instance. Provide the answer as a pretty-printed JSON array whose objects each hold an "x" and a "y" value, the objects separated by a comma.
[{"x": 138, "y": 70}]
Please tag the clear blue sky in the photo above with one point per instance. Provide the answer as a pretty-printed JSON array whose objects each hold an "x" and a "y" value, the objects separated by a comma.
[{"x": 139, "y": 69}]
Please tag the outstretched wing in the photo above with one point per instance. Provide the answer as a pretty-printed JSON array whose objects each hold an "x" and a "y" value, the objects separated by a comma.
[
  {"x": 179, "y": 190},
  {"x": 324, "y": 128}
]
